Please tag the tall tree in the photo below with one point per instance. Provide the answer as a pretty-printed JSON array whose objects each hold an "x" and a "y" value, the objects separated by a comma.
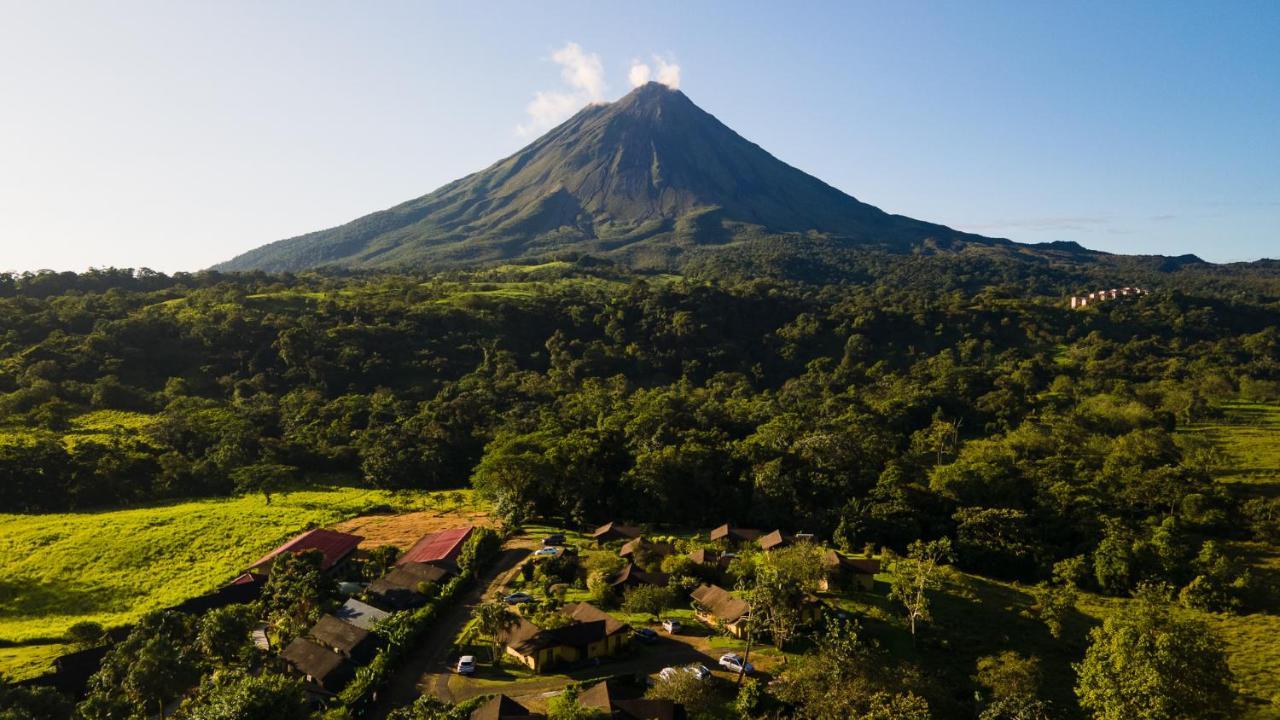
[{"x": 1144, "y": 663}]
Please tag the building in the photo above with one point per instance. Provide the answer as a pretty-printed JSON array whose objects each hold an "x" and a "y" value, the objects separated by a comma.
[
  {"x": 1079, "y": 302},
  {"x": 362, "y": 615},
  {"x": 846, "y": 572},
  {"x": 632, "y": 576},
  {"x": 620, "y": 702},
  {"x": 322, "y": 667},
  {"x": 715, "y": 606},
  {"x": 406, "y": 587},
  {"x": 644, "y": 547},
  {"x": 599, "y": 636},
  {"x": 502, "y": 707},
  {"x": 441, "y": 548},
  {"x": 615, "y": 531},
  {"x": 351, "y": 642},
  {"x": 734, "y": 535},
  {"x": 335, "y": 547},
  {"x": 775, "y": 540}
]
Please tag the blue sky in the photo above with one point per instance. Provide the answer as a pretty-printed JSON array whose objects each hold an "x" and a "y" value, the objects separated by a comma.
[{"x": 175, "y": 135}]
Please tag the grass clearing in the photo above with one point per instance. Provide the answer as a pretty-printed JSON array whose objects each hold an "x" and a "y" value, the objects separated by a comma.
[
  {"x": 111, "y": 567},
  {"x": 1248, "y": 436}
]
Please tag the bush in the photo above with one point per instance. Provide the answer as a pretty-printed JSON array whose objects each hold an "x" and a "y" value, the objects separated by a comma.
[{"x": 648, "y": 599}]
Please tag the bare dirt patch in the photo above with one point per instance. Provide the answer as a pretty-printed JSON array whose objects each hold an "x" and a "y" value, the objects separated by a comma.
[{"x": 404, "y": 530}]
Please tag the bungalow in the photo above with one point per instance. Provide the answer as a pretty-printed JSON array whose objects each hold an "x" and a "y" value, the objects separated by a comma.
[
  {"x": 539, "y": 649},
  {"x": 733, "y": 535},
  {"x": 502, "y": 707},
  {"x": 334, "y": 546},
  {"x": 615, "y": 531},
  {"x": 616, "y": 702},
  {"x": 711, "y": 560},
  {"x": 841, "y": 571},
  {"x": 714, "y": 605},
  {"x": 644, "y": 547},
  {"x": 320, "y": 666},
  {"x": 775, "y": 540},
  {"x": 403, "y": 588},
  {"x": 631, "y": 576},
  {"x": 363, "y": 616},
  {"x": 349, "y": 641},
  {"x": 441, "y": 548},
  {"x": 617, "y": 633}
]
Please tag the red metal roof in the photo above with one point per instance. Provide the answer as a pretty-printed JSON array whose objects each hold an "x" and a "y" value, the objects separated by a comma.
[
  {"x": 332, "y": 544},
  {"x": 437, "y": 547}
]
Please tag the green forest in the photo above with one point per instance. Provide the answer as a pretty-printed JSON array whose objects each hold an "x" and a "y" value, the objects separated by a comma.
[{"x": 921, "y": 398}]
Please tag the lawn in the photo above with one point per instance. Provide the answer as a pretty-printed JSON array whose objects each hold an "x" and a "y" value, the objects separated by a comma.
[
  {"x": 111, "y": 567},
  {"x": 1248, "y": 436}
]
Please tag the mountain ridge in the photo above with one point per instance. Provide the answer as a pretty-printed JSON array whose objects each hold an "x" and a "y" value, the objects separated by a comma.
[{"x": 642, "y": 180}]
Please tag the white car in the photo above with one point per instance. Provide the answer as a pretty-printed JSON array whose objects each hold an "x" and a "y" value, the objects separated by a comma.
[
  {"x": 699, "y": 671},
  {"x": 734, "y": 663},
  {"x": 667, "y": 673},
  {"x": 671, "y": 626},
  {"x": 466, "y": 664}
]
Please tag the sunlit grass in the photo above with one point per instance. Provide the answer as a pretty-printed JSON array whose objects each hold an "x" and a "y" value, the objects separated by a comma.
[{"x": 111, "y": 567}]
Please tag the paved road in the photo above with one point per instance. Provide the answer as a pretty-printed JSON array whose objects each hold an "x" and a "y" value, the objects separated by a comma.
[{"x": 432, "y": 655}]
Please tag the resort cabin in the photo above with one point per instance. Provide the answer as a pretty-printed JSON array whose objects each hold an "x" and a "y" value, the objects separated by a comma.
[
  {"x": 615, "y": 531},
  {"x": 354, "y": 643},
  {"x": 440, "y": 548},
  {"x": 623, "y": 703},
  {"x": 775, "y": 540},
  {"x": 362, "y": 615},
  {"x": 632, "y": 576},
  {"x": 733, "y": 535},
  {"x": 335, "y": 547},
  {"x": 502, "y": 707},
  {"x": 715, "y": 606},
  {"x": 322, "y": 667},
  {"x": 644, "y": 547},
  {"x": 405, "y": 587},
  {"x": 582, "y": 640},
  {"x": 846, "y": 572}
]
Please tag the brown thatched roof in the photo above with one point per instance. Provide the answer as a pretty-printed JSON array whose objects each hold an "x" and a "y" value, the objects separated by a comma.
[{"x": 717, "y": 601}]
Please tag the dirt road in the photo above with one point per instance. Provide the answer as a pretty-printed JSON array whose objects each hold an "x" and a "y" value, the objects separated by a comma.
[{"x": 431, "y": 658}]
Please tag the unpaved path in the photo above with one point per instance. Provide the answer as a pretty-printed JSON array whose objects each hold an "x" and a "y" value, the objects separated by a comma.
[{"x": 430, "y": 659}]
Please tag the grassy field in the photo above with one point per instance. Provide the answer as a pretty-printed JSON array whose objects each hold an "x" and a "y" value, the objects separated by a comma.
[
  {"x": 1248, "y": 435},
  {"x": 111, "y": 567}
]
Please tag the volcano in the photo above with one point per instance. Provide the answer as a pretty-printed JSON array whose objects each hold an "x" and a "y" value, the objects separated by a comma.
[{"x": 644, "y": 180}]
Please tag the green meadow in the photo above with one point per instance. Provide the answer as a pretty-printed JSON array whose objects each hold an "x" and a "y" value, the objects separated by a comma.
[{"x": 111, "y": 567}]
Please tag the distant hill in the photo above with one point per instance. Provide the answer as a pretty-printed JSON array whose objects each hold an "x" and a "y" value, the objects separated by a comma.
[{"x": 649, "y": 181}]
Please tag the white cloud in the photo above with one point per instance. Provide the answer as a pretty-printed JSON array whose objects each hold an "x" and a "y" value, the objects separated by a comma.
[
  {"x": 639, "y": 74},
  {"x": 667, "y": 72},
  {"x": 583, "y": 73}
]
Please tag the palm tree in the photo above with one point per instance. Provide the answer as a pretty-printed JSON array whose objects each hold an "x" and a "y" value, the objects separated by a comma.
[{"x": 490, "y": 620}]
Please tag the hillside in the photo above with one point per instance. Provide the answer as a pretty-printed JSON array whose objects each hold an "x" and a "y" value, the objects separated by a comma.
[{"x": 642, "y": 180}]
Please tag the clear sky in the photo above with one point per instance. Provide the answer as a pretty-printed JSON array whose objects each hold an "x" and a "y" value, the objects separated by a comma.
[{"x": 173, "y": 135}]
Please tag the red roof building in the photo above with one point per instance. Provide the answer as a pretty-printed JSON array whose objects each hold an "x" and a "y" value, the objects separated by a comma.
[
  {"x": 441, "y": 548},
  {"x": 334, "y": 545}
]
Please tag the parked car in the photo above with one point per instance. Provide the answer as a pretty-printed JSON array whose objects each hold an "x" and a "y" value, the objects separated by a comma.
[
  {"x": 667, "y": 673},
  {"x": 734, "y": 663},
  {"x": 553, "y": 540},
  {"x": 466, "y": 664},
  {"x": 518, "y": 598},
  {"x": 699, "y": 671},
  {"x": 645, "y": 635},
  {"x": 546, "y": 552},
  {"x": 671, "y": 625}
]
